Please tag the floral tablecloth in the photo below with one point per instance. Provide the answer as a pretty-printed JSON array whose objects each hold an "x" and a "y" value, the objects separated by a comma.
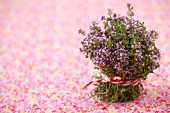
[{"x": 42, "y": 70}]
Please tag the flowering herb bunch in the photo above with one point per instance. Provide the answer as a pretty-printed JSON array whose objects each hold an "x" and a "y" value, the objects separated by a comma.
[{"x": 122, "y": 47}]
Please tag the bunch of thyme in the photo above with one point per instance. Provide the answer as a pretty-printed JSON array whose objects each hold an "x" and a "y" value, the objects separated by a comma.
[{"x": 123, "y": 47}]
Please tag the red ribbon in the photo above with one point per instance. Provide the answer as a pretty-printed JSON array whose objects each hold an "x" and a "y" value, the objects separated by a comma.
[
  {"x": 115, "y": 80},
  {"x": 112, "y": 78}
]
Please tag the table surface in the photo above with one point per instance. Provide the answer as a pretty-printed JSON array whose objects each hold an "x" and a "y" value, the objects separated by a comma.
[{"x": 42, "y": 70}]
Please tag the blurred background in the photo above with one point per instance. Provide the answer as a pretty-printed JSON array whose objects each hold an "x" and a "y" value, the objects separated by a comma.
[{"x": 42, "y": 70}]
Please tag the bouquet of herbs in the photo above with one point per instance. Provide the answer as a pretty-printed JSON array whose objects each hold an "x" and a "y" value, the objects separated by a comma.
[{"x": 122, "y": 47}]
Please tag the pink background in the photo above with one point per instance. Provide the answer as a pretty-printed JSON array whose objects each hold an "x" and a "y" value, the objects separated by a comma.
[{"x": 42, "y": 70}]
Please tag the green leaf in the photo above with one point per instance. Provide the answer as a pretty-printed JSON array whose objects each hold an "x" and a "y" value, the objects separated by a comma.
[
  {"x": 109, "y": 19},
  {"x": 131, "y": 41},
  {"x": 110, "y": 42},
  {"x": 82, "y": 32},
  {"x": 96, "y": 68},
  {"x": 124, "y": 30},
  {"x": 125, "y": 42},
  {"x": 153, "y": 44},
  {"x": 106, "y": 23},
  {"x": 110, "y": 74},
  {"x": 136, "y": 37},
  {"x": 109, "y": 30},
  {"x": 151, "y": 71},
  {"x": 131, "y": 35},
  {"x": 95, "y": 40},
  {"x": 117, "y": 34},
  {"x": 118, "y": 26}
]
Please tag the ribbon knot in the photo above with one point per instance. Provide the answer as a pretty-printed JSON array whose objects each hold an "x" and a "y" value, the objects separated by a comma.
[{"x": 115, "y": 78}]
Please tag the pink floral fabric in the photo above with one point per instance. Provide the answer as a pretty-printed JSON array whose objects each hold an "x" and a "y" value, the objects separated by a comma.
[{"x": 42, "y": 70}]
